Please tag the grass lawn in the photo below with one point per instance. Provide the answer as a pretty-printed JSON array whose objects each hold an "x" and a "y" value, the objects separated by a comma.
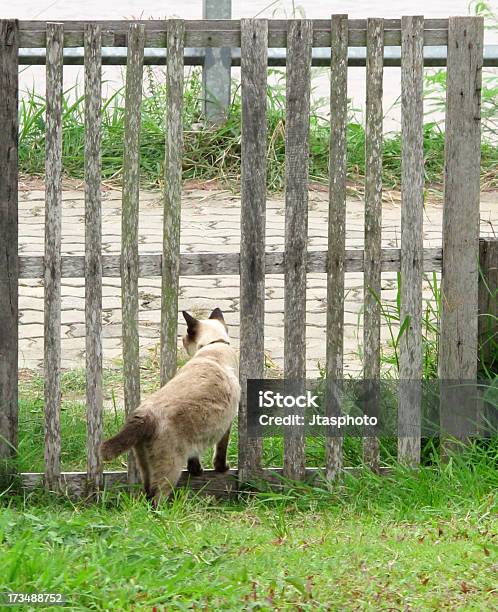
[
  {"x": 413, "y": 540},
  {"x": 424, "y": 539},
  {"x": 215, "y": 153}
]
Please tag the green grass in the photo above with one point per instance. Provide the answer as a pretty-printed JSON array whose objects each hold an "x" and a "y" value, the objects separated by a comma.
[
  {"x": 414, "y": 539},
  {"x": 215, "y": 153},
  {"x": 421, "y": 539}
]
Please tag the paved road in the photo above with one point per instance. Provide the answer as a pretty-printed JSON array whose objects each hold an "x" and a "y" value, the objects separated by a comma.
[{"x": 210, "y": 223}]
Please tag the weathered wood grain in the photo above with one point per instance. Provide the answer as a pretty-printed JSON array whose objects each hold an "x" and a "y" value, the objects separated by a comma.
[
  {"x": 121, "y": 26},
  {"x": 226, "y": 33},
  {"x": 206, "y": 264},
  {"x": 210, "y": 483},
  {"x": 129, "y": 226},
  {"x": 488, "y": 306},
  {"x": 336, "y": 227},
  {"x": 459, "y": 285},
  {"x": 412, "y": 238},
  {"x": 172, "y": 199},
  {"x": 9, "y": 264},
  {"x": 93, "y": 253},
  {"x": 52, "y": 271},
  {"x": 461, "y": 200},
  {"x": 254, "y": 53},
  {"x": 373, "y": 221},
  {"x": 299, "y": 40}
]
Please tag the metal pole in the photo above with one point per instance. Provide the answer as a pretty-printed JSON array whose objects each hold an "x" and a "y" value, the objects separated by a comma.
[{"x": 217, "y": 64}]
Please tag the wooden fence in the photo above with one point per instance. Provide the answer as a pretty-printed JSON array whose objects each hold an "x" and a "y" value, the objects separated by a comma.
[{"x": 458, "y": 258}]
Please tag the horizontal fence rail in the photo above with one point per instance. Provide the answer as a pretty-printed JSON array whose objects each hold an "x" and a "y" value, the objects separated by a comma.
[
  {"x": 207, "y": 264},
  {"x": 226, "y": 33},
  {"x": 337, "y": 43},
  {"x": 434, "y": 56}
]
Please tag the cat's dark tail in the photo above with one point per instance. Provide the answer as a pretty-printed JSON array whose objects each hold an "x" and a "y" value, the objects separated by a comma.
[{"x": 138, "y": 427}]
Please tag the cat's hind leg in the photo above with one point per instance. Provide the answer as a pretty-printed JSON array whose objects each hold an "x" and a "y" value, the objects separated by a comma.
[
  {"x": 165, "y": 474},
  {"x": 220, "y": 454},
  {"x": 194, "y": 466},
  {"x": 141, "y": 455}
]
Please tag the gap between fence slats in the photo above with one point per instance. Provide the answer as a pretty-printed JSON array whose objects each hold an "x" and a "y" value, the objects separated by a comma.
[
  {"x": 373, "y": 226},
  {"x": 488, "y": 305},
  {"x": 93, "y": 253},
  {"x": 254, "y": 53},
  {"x": 52, "y": 270},
  {"x": 299, "y": 39},
  {"x": 412, "y": 239},
  {"x": 336, "y": 229},
  {"x": 459, "y": 285},
  {"x": 172, "y": 199},
  {"x": 9, "y": 263},
  {"x": 129, "y": 226}
]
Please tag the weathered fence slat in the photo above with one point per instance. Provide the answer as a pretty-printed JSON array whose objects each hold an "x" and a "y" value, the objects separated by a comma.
[
  {"x": 254, "y": 53},
  {"x": 9, "y": 264},
  {"x": 93, "y": 253},
  {"x": 461, "y": 200},
  {"x": 205, "y": 264},
  {"x": 412, "y": 238},
  {"x": 459, "y": 285},
  {"x": 53, "y": 219},
  {"x": 336, "y": 225},
  {"x": 172, "y": 199},
  {"x": 299, "y": 39},
  {"x": 129, "y": 225},
  {"x": 373, "y": 223}
]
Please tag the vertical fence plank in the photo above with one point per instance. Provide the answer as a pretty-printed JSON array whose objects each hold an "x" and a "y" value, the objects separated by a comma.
[
  {"x": 412, "y": 239},
  {"x": 459, "y": 285},
  {"x": 461, "y": 199},
  {"x": 299, "y": 39},
  {"x": 254, "y": 52},
  {"x": 53, "y": 218},
  {"x": 336, "y": 225},
  {"x": 9, "y": 265},
  {"x": 129, "y": 225},
  {"x": 172, "y": 199},
  {"x": 373, "y": 223},
  {"x": 93, "y": 252}
]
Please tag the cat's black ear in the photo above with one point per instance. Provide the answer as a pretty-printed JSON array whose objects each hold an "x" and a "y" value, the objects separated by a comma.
[
  {"x": 191, "y": 321},
  {"x": 217, "y": 314}
]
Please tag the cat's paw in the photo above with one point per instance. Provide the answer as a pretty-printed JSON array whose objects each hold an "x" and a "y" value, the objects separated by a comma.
[
  {"x": 194, "y": 466},
  {"x": 220, "y": 466}
]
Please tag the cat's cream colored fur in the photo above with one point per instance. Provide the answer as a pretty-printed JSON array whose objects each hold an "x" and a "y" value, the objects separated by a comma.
[{"x": 193, "y": 411}]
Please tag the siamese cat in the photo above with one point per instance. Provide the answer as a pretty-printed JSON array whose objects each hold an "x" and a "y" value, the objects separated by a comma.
[{"x": 193, "y": 411}]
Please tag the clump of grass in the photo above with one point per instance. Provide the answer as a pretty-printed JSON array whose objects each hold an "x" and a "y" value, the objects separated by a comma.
[{"x": 215, "y": 153}]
